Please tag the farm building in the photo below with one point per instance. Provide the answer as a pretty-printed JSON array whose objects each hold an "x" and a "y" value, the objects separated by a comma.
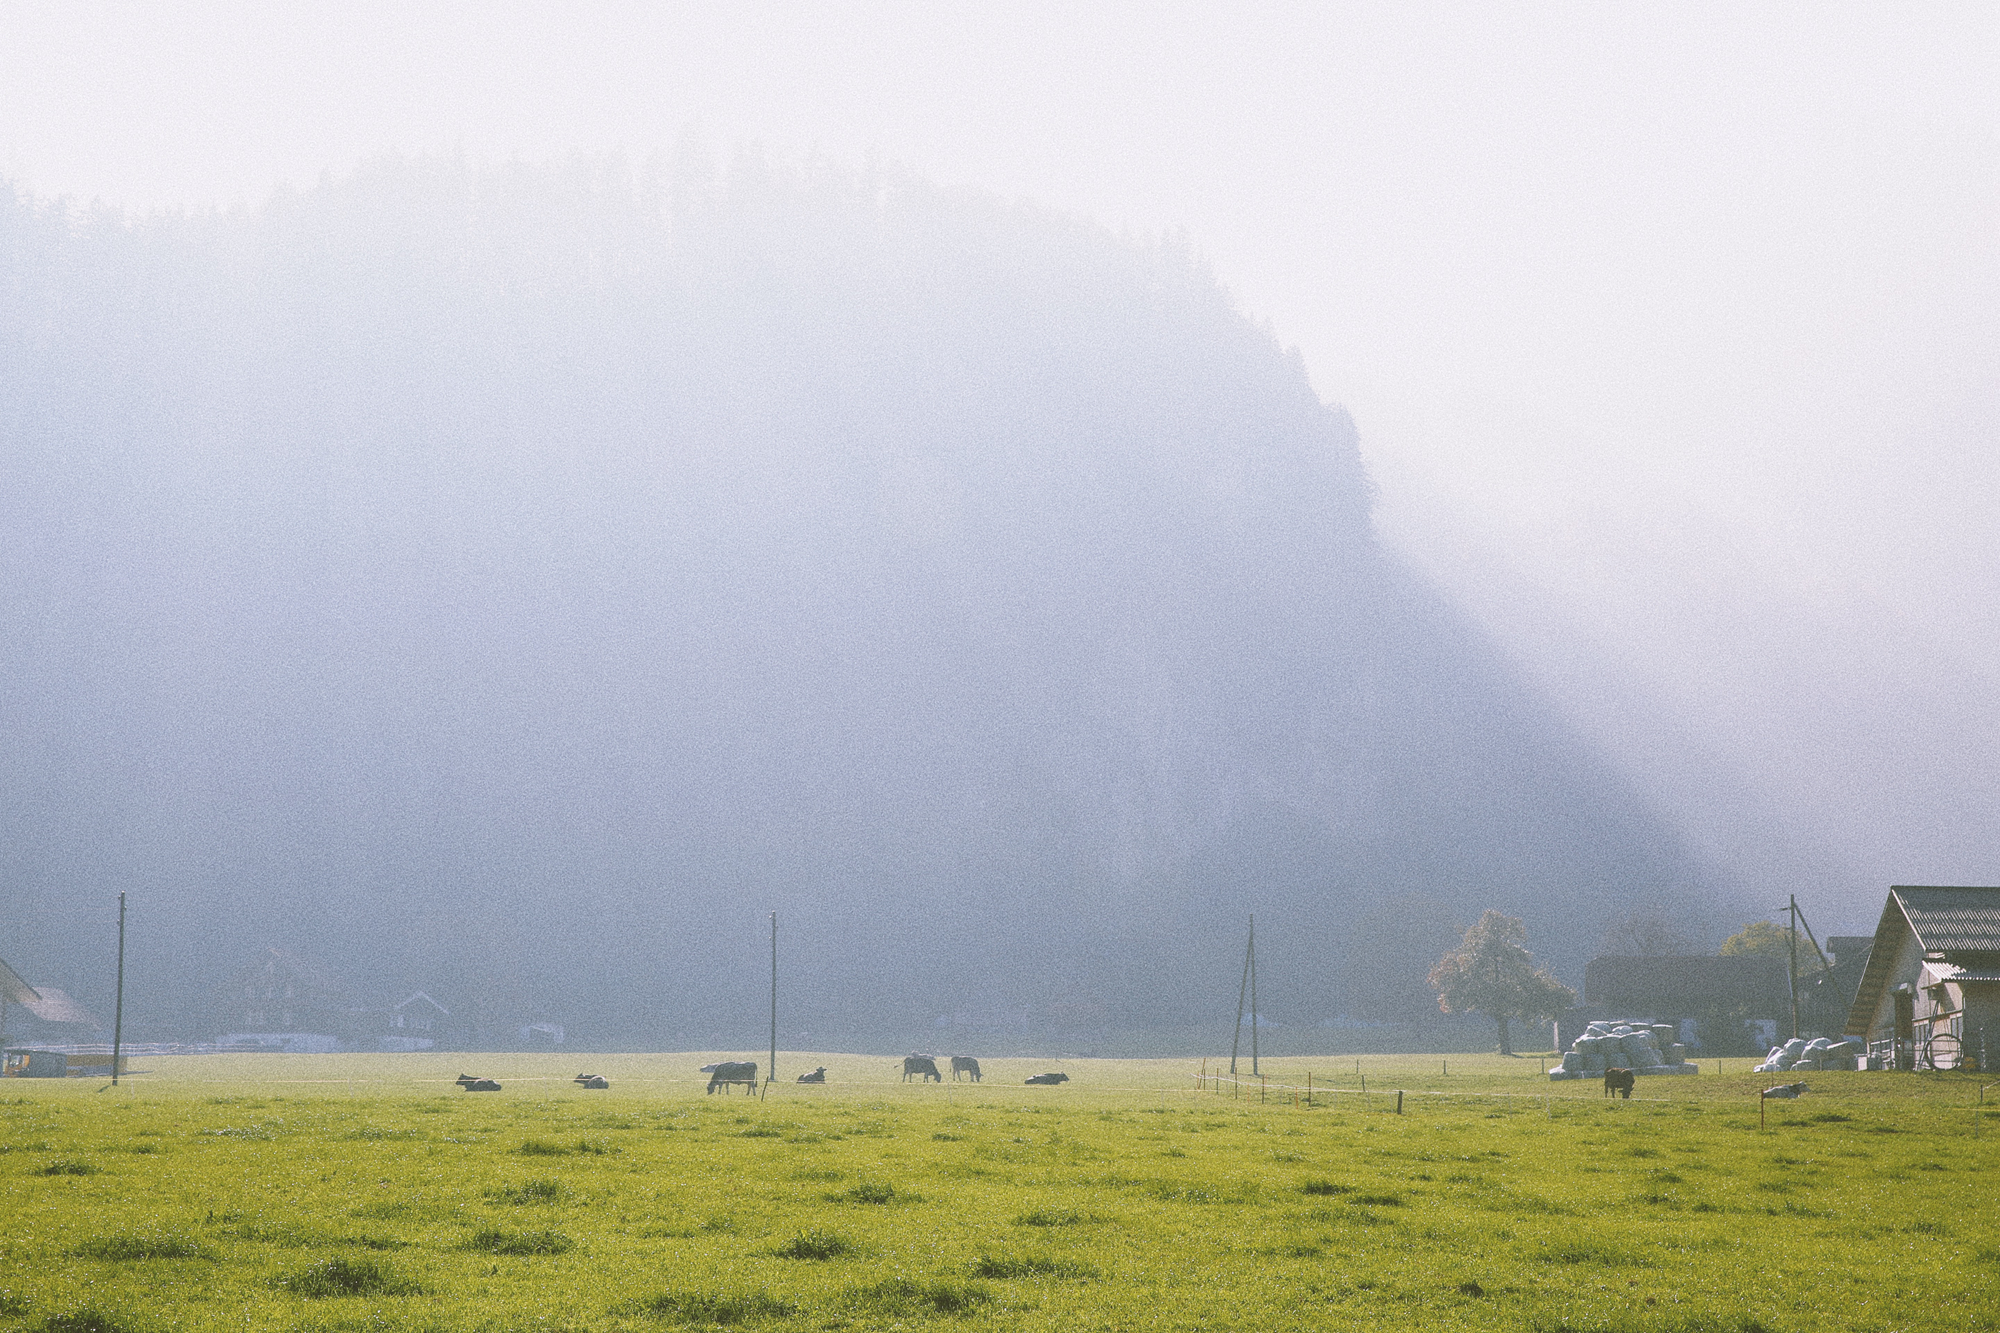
[
  {"x": 283, "y": 993},
  {"x": 1708, "y": 1000},
  {"x": 1930, "y": 995}
]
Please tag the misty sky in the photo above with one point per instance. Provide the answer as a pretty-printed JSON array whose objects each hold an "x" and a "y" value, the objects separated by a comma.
[{"x": 1670, "y": 330}]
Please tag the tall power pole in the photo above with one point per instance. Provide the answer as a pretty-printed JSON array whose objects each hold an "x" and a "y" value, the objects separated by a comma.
[
  {"x": 771, "y": 1070},
  {"x": 118, "y": 1012}
]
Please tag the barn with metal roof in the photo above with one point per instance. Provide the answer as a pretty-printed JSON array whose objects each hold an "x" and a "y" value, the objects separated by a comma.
[{"x": 1930, "y": 997}]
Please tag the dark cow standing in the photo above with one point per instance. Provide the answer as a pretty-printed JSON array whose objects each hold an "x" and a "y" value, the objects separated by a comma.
[
  {"x": 923, "y": 1067},
  {"x": 594, "y": 1081},
  {"x": 471, "y": 1084},
  {"x": 964, "y": 1064},
  {"x": 1049, "y": 1080},
  {"x": 731, "y": 1071},
  {"x": 1619, "y": 1081},
  {"x": 817, "y": 1076}
]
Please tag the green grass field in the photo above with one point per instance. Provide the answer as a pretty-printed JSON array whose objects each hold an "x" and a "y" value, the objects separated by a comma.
[{"x": 366, "y": 1192}]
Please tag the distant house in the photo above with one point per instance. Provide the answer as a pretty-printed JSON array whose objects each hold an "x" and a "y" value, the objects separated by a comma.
[
  {"x": 283, "y": 993},
  {"x": 1929, "y": 996},
  {"x": 416, "y": 1024},
  {"x": 1711, "y": 999}
]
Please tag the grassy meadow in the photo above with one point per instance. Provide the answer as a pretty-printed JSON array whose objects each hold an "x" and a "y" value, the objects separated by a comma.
[{"x": 367, "y": 1192}]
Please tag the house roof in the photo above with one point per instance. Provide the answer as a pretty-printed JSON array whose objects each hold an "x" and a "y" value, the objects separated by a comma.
[
  {"x": 1962, "y": 975},
  {"x": 12, "y": 988},
  {"x": 1953, "y": 920},
  {"x": 53, "y": 1006},
  {"x": 1944, "y": 920}
]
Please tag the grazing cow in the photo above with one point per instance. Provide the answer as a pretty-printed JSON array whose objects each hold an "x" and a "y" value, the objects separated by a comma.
[
  {"x": 1049, "y": 1080},
  {"x": 1786, "y": 1091},
  {"x": 924, "y": 1067},
  {"x": 817, "y": 1076},
  {"x": 964, "y": 1064},
  {"x": 1619, "y": 1081},
  {"x": 471, "y": 1084},
  {"x": 731, "y": 1071},
  {"x": 593, "y": 1081}
]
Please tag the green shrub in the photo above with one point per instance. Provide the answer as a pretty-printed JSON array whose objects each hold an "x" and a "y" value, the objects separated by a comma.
[
  {"x": 493, "y": 1240},
  {"x": 1051, "y": 1217},
  {"x": 869, "y": 1191},
  {"x": 345, "y": 1277},
  {"x": 707, "y": 1307},
  {"x": 538, "y": 1191},
  {"x": 86, "y": 1320},
  {"x": 817, "y": 1244},
  {"x": 69, "y": 1166},
  {"x": 1032, "y": 1266},
  {"x": 901, "y": 1297},
  {"x": 143, "y": 1245}
]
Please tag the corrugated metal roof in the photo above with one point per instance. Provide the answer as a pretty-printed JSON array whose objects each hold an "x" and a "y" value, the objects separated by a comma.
[{"x": 1953, "y": 920}]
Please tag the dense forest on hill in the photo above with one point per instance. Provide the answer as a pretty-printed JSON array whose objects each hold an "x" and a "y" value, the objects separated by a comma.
[{"x": 514, "y": 582}]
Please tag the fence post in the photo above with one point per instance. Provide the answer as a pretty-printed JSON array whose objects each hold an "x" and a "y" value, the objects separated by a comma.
[{"x": 1399, "y": 1101}]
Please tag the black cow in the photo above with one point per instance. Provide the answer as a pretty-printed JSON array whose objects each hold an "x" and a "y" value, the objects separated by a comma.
[
  {"x": 924, "y": 1067},
  {"x": 596, "y": 1082},
  {"x": 1619, "y": 1081},
  {"x": 1049, "y": 1080},
  {"x": 817, "y": 1076},
  {"x": 731, "y": 1071},
  {"x": 471, "y": 1084},
  {"x": 964, "y": 1064}
]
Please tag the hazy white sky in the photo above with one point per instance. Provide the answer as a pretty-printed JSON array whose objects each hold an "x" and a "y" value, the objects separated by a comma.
[{"x": 1670, "y": 329}]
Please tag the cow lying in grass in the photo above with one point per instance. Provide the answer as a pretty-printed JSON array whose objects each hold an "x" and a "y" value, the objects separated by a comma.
[
  {"x": 1619, "y": 1081},
  {"x": 593, "y": 1081},
  {"x": 471, "y": 1084},
  {"x": 1049, "y": 1080},
  {"x": 1784, "y": 1091},
  {"x": 817, "y": 1076}
]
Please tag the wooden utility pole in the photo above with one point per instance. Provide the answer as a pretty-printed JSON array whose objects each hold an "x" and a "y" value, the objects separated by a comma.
[
  {"x": 1792, "y": 954},
  {"x": 1246, "y": 990},
  {"x": 771, "y": 1070},
  {"x": 118, "y": 1011},
  {"x": 1253, "y": 998}
]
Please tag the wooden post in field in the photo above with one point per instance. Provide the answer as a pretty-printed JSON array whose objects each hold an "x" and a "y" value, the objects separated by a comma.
[{"x": 1399, "y": 1101}]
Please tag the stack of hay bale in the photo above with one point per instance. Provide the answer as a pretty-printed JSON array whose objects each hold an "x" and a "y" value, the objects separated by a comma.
[
  {"x": 1819, "y": 1053},
  {"x": 1643, "y": 1048}
]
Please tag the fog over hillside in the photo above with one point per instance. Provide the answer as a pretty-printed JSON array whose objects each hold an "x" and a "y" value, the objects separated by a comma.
[{"x": 514, "y": 582}]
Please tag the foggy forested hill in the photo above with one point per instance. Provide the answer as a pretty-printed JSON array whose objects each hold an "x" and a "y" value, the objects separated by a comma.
[{"x": 515, "y": 582}]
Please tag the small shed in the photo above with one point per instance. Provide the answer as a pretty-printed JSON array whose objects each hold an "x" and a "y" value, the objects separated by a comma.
[{"x": 1930, "y": 995}]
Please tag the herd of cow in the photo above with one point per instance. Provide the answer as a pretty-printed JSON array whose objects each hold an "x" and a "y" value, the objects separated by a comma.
[{"x": 923, "y": 1068}]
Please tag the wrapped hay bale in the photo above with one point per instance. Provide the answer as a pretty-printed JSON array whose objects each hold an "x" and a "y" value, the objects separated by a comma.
[{"x": 1572, "y": 1062}]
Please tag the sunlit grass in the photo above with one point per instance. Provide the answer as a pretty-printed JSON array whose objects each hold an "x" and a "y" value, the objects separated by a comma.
[{"x": 1124, "y": 1198}]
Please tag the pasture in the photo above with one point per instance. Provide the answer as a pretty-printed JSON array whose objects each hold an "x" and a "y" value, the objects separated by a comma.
[{"x": 370, "y": 1193}]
